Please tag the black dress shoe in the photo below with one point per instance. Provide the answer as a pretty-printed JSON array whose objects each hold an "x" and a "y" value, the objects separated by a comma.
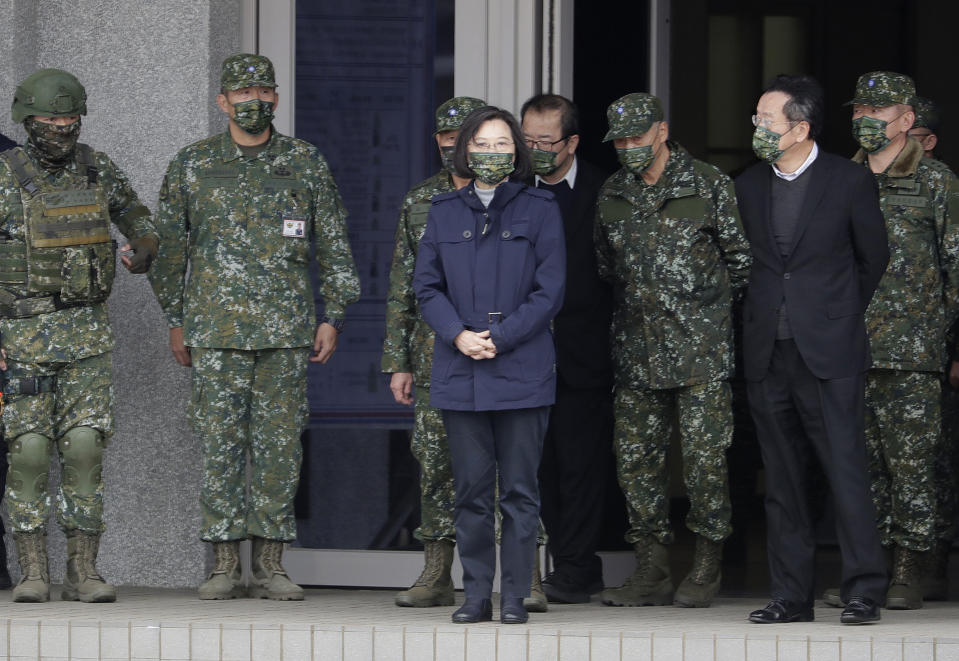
[
  {"x": 512, "y": 611},
  {"x": 780, "y": 611},
  {"x": 474, "y": 610},
  {"x": 561, "y": 589},
  {"x": 860, "y": 610}
]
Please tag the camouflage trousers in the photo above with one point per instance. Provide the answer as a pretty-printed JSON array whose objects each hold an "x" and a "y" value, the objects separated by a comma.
[
  {"x": 83, "y": 397},
  {"x": 249, "y": 404},
  {"x": 902, "y": 433},
  {"x": 431, "y": 449},
  {"x": 437, "y": 490},
  {"x": 643, "y": 431},
  {"x": 946, "y": 464}
]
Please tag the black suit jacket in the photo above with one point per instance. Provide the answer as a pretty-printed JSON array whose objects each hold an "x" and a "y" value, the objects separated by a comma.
[
  {"x": 582, "y": 325},
  {"x": 6, "y": 143},
  {"x": 839, "y": 253}
]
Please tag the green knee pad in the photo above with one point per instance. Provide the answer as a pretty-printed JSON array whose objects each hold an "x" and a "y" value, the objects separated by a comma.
[
  {"x": 29, "y": 460},
  {"x": 82, "y": 451}
]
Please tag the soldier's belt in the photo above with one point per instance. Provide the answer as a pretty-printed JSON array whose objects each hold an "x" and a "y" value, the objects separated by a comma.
[{"x": 33, "y": 385}]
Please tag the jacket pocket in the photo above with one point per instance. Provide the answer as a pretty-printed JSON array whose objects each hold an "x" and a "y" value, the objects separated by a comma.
[{"x": 843, "y": 308}]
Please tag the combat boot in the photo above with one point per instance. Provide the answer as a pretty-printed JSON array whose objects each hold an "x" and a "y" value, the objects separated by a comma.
[
  {"x": 905, "y": 587},
  {"x": 82, "y": 582},
  {"x": 650, "y": 583},
  {"x": 702, "y": 583},
  {"x": 434, "y": 587},
  {"x": 536, "y": 601},
  {"x": 226, "y": 579},
  {"x": 34, "y": 582},
  {"x": 935, "y": 573},
  {"x": 270, "y": 580}
]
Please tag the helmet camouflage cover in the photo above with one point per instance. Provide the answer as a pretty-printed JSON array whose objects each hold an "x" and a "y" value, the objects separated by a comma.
[{"x": 49, "y": 93}]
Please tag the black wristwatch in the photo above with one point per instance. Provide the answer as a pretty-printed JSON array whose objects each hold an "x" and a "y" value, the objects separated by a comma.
[{"x": 336, "y": 322}]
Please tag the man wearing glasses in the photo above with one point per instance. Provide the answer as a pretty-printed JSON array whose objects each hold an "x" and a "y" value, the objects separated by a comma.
[
  {"x": 578, "y": 443},
  {"x": 669, "y": 240},
  {"x": 819, "y": 249}
]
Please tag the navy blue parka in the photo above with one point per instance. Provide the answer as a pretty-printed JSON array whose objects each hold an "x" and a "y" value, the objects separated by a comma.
[{"x": 464, "y": 277}]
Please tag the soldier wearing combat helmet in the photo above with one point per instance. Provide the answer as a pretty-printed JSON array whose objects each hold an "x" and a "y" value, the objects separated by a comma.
[
  {"x": 669, "y": 240},
  {"x": 57, "y": 262},
  {"x": 906, "y": 321},
  {"x": 239, "y": 212}
]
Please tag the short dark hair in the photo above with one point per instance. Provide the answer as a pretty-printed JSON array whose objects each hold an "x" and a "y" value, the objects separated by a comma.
[
  {"x": 569, "y": 113},
  {"x": 523, "y": 169},
  {"x": 805, "y": 102}
]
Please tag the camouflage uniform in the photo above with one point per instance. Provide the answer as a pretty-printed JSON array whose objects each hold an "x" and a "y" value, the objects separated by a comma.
[
  {"x": 906, "y": 321},
  {"x": 70, "y": 348},
  {"x": 245, "y": 226},
  {"x": 675, "y": 253},
  {"x": 408, "y": 347}
]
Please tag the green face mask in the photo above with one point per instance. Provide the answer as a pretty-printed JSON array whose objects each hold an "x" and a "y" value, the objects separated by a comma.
[
  {"x": 491, "y": 168},
  {"x": 544, "y": 162},
  {"x": 636, "y": 159},
  {"x": 55, "y": 144},
  {"x": 446, "y": 155},
  {"x": 766, "y": 145},
  {"x": 870, "y": 133},
  {"x": 253, "y": 116}
]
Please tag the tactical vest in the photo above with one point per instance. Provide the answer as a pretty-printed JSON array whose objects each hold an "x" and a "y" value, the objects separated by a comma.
[{"x": 65, "y": 257}]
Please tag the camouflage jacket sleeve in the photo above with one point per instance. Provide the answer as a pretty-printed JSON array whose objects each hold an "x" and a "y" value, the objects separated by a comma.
[
  {"x": 126, "y": 210},
  {"x": 947, "y": 222},
  {"x": 732, "y": 237},
  {"x": 339, "y": 283},
  {"x": 172, "y": 226},
  {"x": 401, "y": 312}
]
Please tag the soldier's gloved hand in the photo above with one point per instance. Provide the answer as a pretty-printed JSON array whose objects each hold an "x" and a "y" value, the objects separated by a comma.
[{"x": 144, "y": 252}]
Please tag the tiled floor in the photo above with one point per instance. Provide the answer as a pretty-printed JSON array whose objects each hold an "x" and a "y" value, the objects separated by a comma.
[{"x": 345, "y": 625}]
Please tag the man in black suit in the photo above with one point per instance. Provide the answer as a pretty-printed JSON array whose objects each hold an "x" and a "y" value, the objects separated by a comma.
[
  {"x": 819, "y": 249},
  {"x": 577, "y": 460}
]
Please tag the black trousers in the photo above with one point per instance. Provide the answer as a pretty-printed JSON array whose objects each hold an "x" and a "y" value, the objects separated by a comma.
[
  {"x": 482, "y": 445},
  {"x": 577, "y": 466},
  {"x": 796, "y": 415}
]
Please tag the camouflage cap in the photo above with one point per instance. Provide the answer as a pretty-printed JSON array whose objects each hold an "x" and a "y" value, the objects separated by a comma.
[
  {"x": 632, "y": 115},
  {"x": 927, "y": 114},
  {"x": 450, "y": 115},
  {"x": 884, "y": 88},
  {"x": 247, "y": 70}
]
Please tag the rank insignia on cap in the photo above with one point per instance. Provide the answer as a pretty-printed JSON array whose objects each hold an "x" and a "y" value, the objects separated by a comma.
[
  {"x": 452, "y": 112},
  {"x": 871, "y": 82},
  {"x": 620, "y": 110},
  {"x": 251, "y": 68}
]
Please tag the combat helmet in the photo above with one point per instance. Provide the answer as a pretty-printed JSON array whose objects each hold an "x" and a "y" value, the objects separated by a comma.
[{"x": 49, "y": 93}]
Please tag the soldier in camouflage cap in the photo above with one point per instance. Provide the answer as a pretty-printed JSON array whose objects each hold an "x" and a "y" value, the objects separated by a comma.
[
  {"x": 906, "y": 321},
  {"x": 926, "y": 126},
  {"x": 450, "y": 115},
  {"x": 632, "y": 115},
  {"x": 57, "y": 200},
  {"x": 672, "y": 342},
  {"x": 239, "y": 212},
  {"x": 408, "y": 358},
  {"x": 246, "y": 70}
]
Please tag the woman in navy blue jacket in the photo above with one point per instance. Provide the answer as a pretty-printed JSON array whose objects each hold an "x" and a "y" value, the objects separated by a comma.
[{"x": 490, "y": 275}]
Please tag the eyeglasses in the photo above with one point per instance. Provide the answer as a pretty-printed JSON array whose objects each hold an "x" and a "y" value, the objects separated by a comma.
[
  {"x": 498, "y": 146},
  {"x": 759, "y": 121},
  {"x": 544, "y": 145}
]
